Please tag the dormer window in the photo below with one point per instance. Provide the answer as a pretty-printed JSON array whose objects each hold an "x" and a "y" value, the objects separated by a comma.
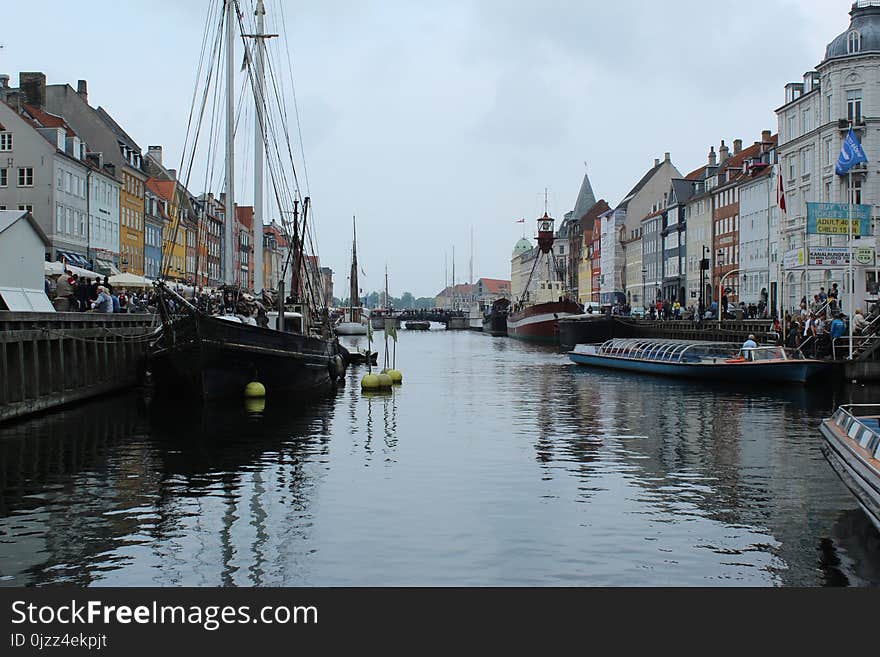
[{"x": 853, "y": 42}]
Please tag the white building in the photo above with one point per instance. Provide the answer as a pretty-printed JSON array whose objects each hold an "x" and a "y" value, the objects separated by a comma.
[
  {"x": 43, "y": 173},
  {"x": 22, "y": 245},
  {"x": 844, "y": 89},
  {"x": 758, "y": 237},
  {"x": 103, "y": 215}
]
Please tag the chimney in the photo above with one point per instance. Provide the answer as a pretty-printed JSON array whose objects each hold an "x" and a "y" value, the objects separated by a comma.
[
  {"x": 656, "y": 161},
  {"x": 82, "y": 89},
  {"x": 766, "y": 135},
  {"x": 737, "y": 146},
  {"x": 172, "y": 173},
  {"x": 666, "y": 157},
  {"x": 723, "y": 152},
  {"x": 33, "y": 88},
  {"x": 712, "y": 158},
  {"x": 4, "y": 81},
  {"x": 155, "y": 153}
]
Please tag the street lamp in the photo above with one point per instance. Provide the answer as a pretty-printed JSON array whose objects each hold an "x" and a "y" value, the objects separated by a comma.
[{"x": 644, "y": 297}]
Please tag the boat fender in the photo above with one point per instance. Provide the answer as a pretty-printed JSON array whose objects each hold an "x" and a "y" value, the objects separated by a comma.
[
  {"x": 254, "y": 390},
  {"x": 337, "y": 367},
  {"x": 741, "y": 359}
]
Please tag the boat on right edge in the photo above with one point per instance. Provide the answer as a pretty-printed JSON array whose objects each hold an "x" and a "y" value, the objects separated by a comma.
[
  {"x": 691, "y": 359},
  {"x": 852, "y": 447}
]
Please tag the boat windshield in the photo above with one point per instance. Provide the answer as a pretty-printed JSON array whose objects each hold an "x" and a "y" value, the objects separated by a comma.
[
  {"x": 861, "y": 422},
  {"x": 691, "y": 352}
]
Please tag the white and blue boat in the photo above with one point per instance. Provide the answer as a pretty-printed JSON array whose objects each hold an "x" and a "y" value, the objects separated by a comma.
[
  {"x": 852, "y": 447},
  {"x": 720, "y": 361}
]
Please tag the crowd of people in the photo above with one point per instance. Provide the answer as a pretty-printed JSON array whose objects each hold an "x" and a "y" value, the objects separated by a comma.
[{"x": 73, "y": 293}]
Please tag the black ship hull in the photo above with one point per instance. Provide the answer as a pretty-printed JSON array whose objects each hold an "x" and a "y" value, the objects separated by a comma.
[
  {"x": 212, "y": 358},
  {"x": 586, "y": 329},
  {"x": 495, "y": 325}
]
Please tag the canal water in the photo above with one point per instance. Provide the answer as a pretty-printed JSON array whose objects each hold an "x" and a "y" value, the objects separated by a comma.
[{"x": 496, "y": 463}]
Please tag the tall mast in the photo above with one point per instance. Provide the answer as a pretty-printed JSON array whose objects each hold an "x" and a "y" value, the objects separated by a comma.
[
  {"x": 453, "y": 279},
  {"x": 259, "y": 136},
  {"x": 471, "y": 265},
  {"x": 354, "y": 297},
  {"x": 229, "y": 228}
]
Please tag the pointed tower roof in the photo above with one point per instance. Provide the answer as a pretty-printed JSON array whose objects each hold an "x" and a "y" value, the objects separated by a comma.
[{"x": 585, "y": 200}]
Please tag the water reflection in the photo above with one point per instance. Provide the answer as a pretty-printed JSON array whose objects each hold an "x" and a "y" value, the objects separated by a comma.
[{"x": 494, "y": 463}]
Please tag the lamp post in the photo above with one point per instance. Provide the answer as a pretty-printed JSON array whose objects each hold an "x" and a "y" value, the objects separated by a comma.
[
  {"x": 644, "y": 298},
  {"x": 719, "y": 263},
  {"x": 721, "y": 287},
  {"x": 704, "y": 267}
]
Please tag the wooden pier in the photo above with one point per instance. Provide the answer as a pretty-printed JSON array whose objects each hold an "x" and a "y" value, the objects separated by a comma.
[{"x": 50, "y": 359}]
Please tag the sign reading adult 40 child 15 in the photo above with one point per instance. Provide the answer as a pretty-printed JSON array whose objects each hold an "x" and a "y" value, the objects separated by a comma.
[{"x": 832, "y": 218}]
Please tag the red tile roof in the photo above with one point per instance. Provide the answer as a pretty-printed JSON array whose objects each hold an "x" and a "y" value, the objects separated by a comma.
[
  {"x": 495, "y": 286},
  {"x": 47, "y": 120}
]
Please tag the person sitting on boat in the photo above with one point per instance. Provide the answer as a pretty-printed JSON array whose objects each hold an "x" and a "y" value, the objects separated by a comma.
[{"x": 748, "y": 346}]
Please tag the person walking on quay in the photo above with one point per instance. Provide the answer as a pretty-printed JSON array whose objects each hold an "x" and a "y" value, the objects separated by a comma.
[
  {"x": 104, "y": 302},
  {"x": 84, "y": 293},
  {"x": 838, "y": 327},
  {"x": 64, "y": 289}
]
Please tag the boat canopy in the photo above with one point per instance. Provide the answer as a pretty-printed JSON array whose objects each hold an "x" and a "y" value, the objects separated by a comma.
[
  {"x": 861, "y": 422},
  {"x": 682, "y": 351}
]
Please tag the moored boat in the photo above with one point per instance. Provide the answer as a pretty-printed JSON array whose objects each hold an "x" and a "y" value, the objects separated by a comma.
[
  {"x": 418, "y": 325},
  {"x": 354, "y": 319},
  {"x": 495, "y": 323},
  {"x": 215, "y": 357},
  {"x": 721, "y": 361},
  {"x": 537, "y": 319},
  {"x": 852, "y": 447},
  {"x": 475, "y": 317},
  {"x": 540, "y": 323}
]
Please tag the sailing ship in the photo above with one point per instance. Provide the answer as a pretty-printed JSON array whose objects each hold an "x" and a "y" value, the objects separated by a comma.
[
  {"x": 354, "y": 319},
  {"x": 289, "y": 350},
  {"x": 379, "y": 317},
  {"x": 536, "y": 319}
]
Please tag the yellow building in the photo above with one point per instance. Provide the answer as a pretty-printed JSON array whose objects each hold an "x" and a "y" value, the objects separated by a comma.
[
  {"x": 585, "y": 270},
  {"x": 131, "y": 221}
]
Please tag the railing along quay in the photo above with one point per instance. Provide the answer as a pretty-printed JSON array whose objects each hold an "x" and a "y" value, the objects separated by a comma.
[{"x": 50, "y": 359}]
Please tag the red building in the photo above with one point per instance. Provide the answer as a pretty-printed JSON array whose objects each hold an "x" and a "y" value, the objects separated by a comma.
[{"x": 243, "y": 248}]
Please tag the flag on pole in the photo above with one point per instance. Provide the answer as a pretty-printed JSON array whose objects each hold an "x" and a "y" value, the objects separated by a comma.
[
  {"x": 369, "y": 331},
  {"x": 391, "y": 329},
  {"x": 521, "y": 221},
  {"x": 780, "y": 192},
  {"x": 851, "y": 154}
]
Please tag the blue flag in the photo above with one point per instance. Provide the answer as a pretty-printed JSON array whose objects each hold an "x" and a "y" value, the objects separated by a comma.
[{"x": 851, "y": 154}]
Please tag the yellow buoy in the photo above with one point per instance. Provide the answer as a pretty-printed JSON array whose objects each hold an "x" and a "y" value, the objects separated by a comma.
[
  {"x": 385, "y": 381},
  {"x": 370, "y": 382},
  {"x": 255, "y": 405},
  {"x": 254, "y": 389},
  {"x": 396, "y": 376}
]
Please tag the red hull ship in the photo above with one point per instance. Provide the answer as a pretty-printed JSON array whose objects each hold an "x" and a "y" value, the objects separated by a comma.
[{"x": 540, "y": 323}]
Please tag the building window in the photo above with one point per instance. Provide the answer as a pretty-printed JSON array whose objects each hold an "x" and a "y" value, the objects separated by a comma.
[
  {"x": 806, "y": 162},
  {"x": 857, "y": 191},
  {"x": 25, "y": 176},
  {"x": 5, "y": 141},
  {"x": 829, "y": 153},
  {"x": 854, "y": 105},
  {"x": 25, "y": 208},
  {"x": 805, "y": 122},
  {"x": 792, "y": 168},
  {"x": 4, "y": 177},
  {"x": 853, "y": 42},
  {"x": 792, "y": 122},
  {"x": 59, "y": 219}
]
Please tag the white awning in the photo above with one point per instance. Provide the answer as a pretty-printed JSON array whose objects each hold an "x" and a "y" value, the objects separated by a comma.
[{"x": 25, "y": 299}]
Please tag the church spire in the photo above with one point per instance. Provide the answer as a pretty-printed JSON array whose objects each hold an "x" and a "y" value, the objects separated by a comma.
[{"x": 586, "y": 199}]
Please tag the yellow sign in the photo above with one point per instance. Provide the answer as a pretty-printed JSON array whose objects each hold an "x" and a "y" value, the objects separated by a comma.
[{"x": 828, "y": 226}]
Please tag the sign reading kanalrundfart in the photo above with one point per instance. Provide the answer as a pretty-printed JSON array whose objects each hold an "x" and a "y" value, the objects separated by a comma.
[{"x": 832, "y": 218}]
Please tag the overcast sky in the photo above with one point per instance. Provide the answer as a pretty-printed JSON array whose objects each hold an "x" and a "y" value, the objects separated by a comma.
[{"x": 427, "y": 119}]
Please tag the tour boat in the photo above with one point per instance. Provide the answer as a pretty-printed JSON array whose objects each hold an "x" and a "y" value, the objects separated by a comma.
[
  {"x": 418, "y": 325},
  {"x": 537, "y": 319},
  {"x": 722, "y": 361},
  {"x": 852, "y": 447}
]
